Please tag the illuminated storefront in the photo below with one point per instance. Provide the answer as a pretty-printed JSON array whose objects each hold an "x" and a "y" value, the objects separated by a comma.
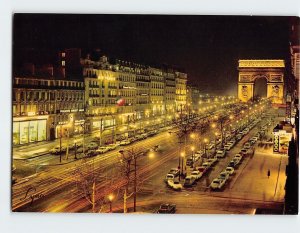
[
  {"x": 282, "y": 135},
  {"x": 29, "y": 131}
]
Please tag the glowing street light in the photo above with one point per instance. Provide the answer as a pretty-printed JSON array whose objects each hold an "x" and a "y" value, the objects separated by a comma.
[{"x": 110, "y": 198}]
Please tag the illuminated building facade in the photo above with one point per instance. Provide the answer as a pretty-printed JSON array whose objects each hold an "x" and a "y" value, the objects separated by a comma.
[
  {"x": 42, "y": 108},
  {"x": 46, "y": 106},
  {"x": 181, "y": 91}
]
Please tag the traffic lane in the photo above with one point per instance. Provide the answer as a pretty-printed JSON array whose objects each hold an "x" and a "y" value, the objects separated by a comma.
[{"x": 62, "y": 175}]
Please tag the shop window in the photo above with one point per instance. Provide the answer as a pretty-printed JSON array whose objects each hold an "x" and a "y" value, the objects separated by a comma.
[
  {"x": 41, "y": 130},
  {"x": 24, "y": 132},
  {"x": 32, "y": 131}
]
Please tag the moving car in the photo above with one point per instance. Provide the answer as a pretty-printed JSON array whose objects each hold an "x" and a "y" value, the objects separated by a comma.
[
  {"x": 174, "y": 184},
  {"x": 167, "y": 209},
  {"x": 217, "y": 184}
]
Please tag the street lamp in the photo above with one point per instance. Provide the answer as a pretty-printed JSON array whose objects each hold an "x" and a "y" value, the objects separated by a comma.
[
  {"x": 110, "y": 198},
  {"x": 193, "y": 154},
  {"x": 182, "y": 155}
]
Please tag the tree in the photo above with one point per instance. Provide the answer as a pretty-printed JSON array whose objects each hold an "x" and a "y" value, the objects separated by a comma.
[
  {"x": 87, "y": 178},
  {"x": 129, "y": 170}
]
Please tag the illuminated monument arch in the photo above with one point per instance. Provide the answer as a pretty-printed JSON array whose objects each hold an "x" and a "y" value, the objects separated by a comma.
[{"x": 271, "y": 70}]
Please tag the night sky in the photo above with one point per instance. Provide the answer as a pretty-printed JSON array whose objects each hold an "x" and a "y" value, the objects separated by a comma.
[{"x": 207, "y": 47}]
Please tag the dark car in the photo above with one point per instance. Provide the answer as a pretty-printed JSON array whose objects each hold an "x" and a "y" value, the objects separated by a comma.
[{"x": 167, "y": 209}]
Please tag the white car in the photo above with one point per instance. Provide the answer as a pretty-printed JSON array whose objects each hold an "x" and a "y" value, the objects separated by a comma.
[
  {"x": 210, "y": 146},
  {"x": 125, "y": 142},
  {"x": 196, "y": 174},
  {"x": 228, "y": 146},
  {"x": 233, "y": 142},
  {"x": 212, "y": 161},
  {"x": 57, "y": 149},
  {"x": 229, "y": 170},
  {"x": 206, "y": 165},
  {"x": 217, "y": 184},
  {"x": 174, "y": 184},
  {"x": 102, "y": 149},
  {"x": 220, "y": 153},
  {"x": 238, "y": 156},
  {"x": 112, "y": 146},
  {"x": 174, "y": 171},
  {"x": 169, "y": 177},
  {"x": 223, "y": 176},
  {"x": 247, "y": 145},
  {"x": 254, "y": 139}
]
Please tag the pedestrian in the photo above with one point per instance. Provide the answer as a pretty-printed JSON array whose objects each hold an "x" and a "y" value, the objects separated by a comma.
[{"x": 269, "y": 173}]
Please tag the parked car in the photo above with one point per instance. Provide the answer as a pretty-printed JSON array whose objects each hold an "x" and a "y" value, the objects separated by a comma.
[
  {"x": 174, "y": 171},
  {"x": 174, "y": 184},
  {"x": 220, "y": 153},
  {"x": 125, "y": 142},
  {"x": 190, "y": 162},
  {"x": 112, "y": 146},
  {"x": 229, "y": 170},
  {"x": 102, "y": 149},
  {"x": 92, "y": 153},
  {"x": 247, "y": 145},
  {"x": 212, "y": 161},
  {"x": 189, "y": 181},
  {"x": 169, "y": 177},
  {"x": 211, "y": 146},
  {"x": 167, "y": 209},
  {"x": 233, "y": 163},
  {"x": 228, "y": 146},
  {"x": 144, "y": 135},
  {"x": 139, "y": 137},
  {"x": 56, "y": 150},
  {"x": 238, "y": 156},
  {"x": 196, "y": 174},
  {"x": 217, "y": 184},
  {"x": 233, "y": 141},
  {"x": 206, "y": 165},
  {"x": 202, "y": 170},
  {"x": 223, "y": 176}
]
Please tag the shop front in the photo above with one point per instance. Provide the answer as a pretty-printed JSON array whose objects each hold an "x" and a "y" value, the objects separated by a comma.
[{"x": 29, "y": 130}]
